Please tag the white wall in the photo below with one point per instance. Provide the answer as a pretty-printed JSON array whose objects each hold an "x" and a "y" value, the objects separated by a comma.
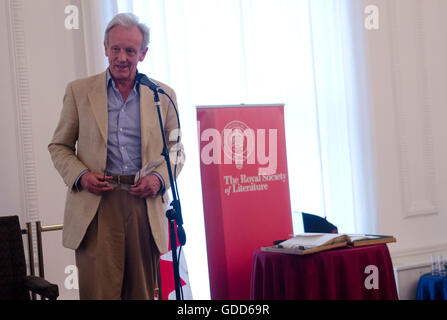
[
  {"x": 40, "y": 56},
  {"x": 10, "y": 184},
  {"x": 407, "y": 76}
]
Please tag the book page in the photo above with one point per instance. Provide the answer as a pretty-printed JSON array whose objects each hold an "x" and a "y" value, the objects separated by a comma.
[
  {"x": 369, "y": 239},
  {"x": 312, "y": 240},
  {"x": 357, "y": 237}
]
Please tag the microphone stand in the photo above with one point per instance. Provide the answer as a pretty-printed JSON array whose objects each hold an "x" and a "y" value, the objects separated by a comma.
[{"x": 174, "y": 214}]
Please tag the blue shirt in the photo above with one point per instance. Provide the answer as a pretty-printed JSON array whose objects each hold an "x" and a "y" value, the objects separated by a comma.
[{"x": 124, "y": 131}]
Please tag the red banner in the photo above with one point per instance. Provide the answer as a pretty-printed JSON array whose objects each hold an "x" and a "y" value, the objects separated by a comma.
[{"x": 245, "y": 190}]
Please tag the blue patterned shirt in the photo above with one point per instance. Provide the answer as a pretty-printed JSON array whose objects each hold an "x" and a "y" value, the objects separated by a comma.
[{"x": 124, "y": 131}]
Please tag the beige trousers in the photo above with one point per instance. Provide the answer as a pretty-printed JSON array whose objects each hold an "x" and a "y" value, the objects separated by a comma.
[{"x": 118, "y": 258}]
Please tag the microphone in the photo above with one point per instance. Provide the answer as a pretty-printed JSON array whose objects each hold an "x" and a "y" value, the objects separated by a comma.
[
  {"x": 175, "y": 214},
  {"x": 141, "y": 78}
]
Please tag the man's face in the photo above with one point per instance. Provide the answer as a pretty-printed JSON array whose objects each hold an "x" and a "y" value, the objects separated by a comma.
[{"x": 124, "y": 52}]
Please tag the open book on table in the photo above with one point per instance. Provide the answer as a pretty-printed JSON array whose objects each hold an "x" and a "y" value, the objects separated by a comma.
[{"x": 306, "y": 243}]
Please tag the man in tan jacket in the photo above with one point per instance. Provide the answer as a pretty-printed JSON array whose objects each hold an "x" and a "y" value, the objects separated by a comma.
[{"x": 108, "y": 131}]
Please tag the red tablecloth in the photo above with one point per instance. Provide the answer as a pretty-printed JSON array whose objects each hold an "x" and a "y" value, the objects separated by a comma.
[{"x": 335, "y": 274}]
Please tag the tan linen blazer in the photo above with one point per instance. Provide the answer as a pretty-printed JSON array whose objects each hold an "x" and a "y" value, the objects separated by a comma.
[{"x": 80, "y": 143}]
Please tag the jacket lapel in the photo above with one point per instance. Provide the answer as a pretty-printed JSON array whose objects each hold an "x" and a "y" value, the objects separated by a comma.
[
  {"x": 149, "y": 124},
  {"x": 98, "y": 100}
]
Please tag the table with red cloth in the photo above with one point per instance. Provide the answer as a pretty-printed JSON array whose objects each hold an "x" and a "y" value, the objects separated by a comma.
[{"x": 340, "y": 274}]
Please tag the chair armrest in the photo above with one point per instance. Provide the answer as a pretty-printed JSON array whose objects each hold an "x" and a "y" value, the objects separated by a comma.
[{"x": 42, "y": 287}]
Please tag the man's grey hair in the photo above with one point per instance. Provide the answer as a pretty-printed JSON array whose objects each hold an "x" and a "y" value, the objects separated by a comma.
[{"x": 128, "y": 20}]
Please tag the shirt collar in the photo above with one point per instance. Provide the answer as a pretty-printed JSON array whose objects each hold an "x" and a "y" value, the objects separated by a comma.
[{"x": 110, "y": 81}]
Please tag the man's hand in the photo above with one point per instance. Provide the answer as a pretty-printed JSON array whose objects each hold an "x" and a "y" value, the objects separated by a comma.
[
  {"x": 95, "y": 183},
  {"x": 147, "y": 186}
]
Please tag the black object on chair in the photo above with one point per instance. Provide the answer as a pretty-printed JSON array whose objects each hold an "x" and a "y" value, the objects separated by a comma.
[
  {"x": 317, "y": 224},
  {"x": 14, "y": 283}
]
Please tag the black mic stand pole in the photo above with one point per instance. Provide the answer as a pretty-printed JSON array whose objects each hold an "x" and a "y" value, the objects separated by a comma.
[{"x": 174, "y": 214}]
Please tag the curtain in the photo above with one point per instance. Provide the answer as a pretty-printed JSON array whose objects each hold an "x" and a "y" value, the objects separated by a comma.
[
  {"x": 343, "y": 114},
  {"x": 297, "y": 52}
]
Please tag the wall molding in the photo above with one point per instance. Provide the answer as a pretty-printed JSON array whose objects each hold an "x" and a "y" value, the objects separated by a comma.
[
  {"x": 15, "y": 10},
  {"x": 412, "y": 115},
  {"x": 419, "y": 251}
]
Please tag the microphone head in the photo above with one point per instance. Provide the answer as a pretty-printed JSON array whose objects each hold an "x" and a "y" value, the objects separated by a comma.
[
  {"x": 141, "y": 78},
  {"x": 138, "y": 77}
]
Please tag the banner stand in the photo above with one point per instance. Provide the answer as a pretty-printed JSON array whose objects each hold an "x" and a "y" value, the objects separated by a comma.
[{"x": 245, "y": 188}]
